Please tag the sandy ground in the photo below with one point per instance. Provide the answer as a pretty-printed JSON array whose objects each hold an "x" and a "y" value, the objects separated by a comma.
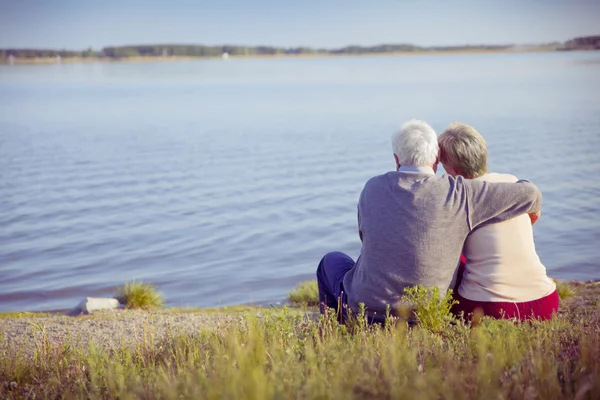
[{"x": 109, "y": 329}]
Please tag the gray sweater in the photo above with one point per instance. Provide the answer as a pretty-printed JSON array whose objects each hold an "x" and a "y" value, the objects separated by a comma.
[{"x": 413, "y": 226}]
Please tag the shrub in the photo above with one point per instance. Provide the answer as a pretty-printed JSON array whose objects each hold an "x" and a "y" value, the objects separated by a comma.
[
  {"x": 431, "y": 310},
  {"x": 139, "y": 295},
  {"x": 305, "y": 294}
]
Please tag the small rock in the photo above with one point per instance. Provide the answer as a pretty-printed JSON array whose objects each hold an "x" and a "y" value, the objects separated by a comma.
[{"x": 90, "y": 304}]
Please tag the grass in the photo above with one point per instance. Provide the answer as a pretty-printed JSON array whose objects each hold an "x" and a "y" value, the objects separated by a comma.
[
  {"x": 288, "y": 354},
  {"x": 19, "y": 314},
  {"x": 564, "y": 289},
  {"x": 139, "y": 295},
  {"x": 305, "y": 294}
]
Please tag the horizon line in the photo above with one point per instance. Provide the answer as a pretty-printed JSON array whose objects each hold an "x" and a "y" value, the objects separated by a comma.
[{"x": 302, "y": 47}]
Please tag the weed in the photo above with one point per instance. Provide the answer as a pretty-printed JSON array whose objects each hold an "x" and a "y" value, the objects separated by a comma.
[{"x": 430, "y": 308}]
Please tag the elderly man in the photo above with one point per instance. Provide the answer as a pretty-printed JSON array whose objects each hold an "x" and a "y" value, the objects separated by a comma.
[{"x": 413, "y": 225}]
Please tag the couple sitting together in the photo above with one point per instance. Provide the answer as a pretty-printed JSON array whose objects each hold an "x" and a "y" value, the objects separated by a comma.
[{"x": 417, "y": 228}]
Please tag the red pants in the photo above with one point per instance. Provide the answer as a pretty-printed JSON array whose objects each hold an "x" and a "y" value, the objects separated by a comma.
[{"x": 541, "y": 309}]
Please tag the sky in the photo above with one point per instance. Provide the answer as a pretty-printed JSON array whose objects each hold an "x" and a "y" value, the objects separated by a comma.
[{"x": 79, "y": 24}]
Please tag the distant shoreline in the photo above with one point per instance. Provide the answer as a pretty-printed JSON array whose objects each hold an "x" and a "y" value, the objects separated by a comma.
[
  {"x": 85, "y": 60},
  {"x": 156, "y": 52}
]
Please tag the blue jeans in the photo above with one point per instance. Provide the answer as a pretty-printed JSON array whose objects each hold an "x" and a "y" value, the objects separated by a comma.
[{"x": 330, "y": 279}]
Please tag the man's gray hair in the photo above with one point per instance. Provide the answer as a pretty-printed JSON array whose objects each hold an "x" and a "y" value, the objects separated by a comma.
[
  {"x": 415, "y": 144},
  {"x": 464, "y": 150}
]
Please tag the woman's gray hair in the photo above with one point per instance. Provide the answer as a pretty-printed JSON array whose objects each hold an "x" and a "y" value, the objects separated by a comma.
[
  {"x": 415, "y": 144},
  {"x": 464, "y": 150}
]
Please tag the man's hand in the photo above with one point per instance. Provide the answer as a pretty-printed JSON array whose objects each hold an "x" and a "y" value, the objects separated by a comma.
[{"x": 535, "y": 216}]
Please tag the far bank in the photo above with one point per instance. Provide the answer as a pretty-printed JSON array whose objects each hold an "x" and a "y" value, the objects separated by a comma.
[{"x": 139, "y": 59}]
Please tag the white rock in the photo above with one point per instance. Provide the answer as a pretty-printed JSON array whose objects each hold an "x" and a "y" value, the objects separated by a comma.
[{"x": 90, "y": 304}]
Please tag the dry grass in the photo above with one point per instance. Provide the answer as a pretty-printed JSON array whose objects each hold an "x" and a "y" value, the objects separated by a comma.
[{"x": 564, "y": 289}]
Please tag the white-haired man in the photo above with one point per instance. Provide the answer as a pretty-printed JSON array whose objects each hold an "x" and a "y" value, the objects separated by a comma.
[{"x": 413, "y": 225}]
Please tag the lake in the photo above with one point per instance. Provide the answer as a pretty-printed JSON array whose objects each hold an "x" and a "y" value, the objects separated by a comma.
[{"x": 225, "y": 182}]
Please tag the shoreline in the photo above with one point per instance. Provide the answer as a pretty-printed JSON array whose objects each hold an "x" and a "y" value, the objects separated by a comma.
[
  {"x": 582, "y": 288},
  {"x": 228, "y": 308},
  {"x": 113, "y": 328},
  {"x": 138, "y": 59}
]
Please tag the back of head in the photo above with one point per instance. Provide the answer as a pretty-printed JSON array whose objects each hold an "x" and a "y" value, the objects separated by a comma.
[
  {"x": 464, "y": 150},
  {"x": 415, "y": 144}
]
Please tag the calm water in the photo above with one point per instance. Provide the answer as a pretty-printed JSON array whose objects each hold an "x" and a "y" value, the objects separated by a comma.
[{"x": 224, "y": 182}]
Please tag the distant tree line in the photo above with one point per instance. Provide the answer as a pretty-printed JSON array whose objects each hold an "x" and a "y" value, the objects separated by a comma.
[
  {"x": 582, "y": 43},
  {"x": 200, "y": 51},
  {"x": 34, "y": 53},
  {"x": 216, "y": 51},
  {"x": 589, "y": 42}
]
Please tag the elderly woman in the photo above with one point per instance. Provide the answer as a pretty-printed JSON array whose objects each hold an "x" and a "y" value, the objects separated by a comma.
[{"x": 503, "y": 275}]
